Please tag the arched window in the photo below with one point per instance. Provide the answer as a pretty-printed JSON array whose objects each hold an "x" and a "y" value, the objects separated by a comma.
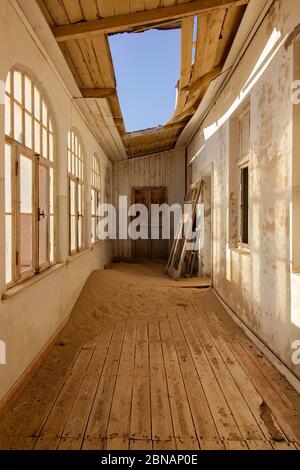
[
  {"x": 76, "y": 193},
  {"x": 29, "y": 179},
  {"x": 95, "y": 197}
]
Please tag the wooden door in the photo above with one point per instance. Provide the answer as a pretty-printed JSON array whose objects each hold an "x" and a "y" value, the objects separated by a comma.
[{"x": 150, "y": 249}]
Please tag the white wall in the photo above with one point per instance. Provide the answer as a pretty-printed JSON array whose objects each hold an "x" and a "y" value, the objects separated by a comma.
[
  {"x": 260, "y": 286},
  {"x": 29, "y": 319}
]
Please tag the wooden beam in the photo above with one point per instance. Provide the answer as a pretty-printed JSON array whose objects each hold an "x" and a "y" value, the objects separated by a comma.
[
  {"x": 97, "y": 92},
  {"x": 205, "y": 79},
  {"x": 126, "y": 22}
]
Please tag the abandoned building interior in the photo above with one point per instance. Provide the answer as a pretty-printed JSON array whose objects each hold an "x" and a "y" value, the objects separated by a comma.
[{"x": 99, "y": 347}]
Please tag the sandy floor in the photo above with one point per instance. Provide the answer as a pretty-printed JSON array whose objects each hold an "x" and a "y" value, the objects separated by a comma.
[{"x": 140, "y": 294}]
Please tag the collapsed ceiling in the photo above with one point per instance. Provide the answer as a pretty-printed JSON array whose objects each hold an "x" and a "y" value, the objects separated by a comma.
[{"x": 82, "y": 27}]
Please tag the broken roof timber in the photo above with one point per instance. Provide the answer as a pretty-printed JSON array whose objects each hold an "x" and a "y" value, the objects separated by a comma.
[{"x": 125, "y": 22}]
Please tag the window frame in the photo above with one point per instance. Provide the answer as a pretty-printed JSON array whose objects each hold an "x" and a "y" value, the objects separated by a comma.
[
  {"x": 76, "y": 173},
  {"x": 19, "y": 147},
  {"x": 244, "y": 162},
  {"x": 95, "y": 198}
]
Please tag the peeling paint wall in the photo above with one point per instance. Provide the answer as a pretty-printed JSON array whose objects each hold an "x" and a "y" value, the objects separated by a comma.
[
  {"x": 261, "y": 286},
  {"x": 28, "y": 320}
]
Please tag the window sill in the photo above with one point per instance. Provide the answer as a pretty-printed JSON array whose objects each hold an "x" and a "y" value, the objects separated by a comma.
[
  {"x": 74, "y": 257},
  {"x": 17, "y": 289},
  {"x": 241, "y": 251},
  {"x": 97, "y": 244}
]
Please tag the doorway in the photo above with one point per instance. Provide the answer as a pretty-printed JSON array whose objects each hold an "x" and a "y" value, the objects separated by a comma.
[{"x": 151, "y": 249}]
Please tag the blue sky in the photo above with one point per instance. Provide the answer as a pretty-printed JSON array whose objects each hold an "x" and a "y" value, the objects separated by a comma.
[{"x": 147, "y": 67}]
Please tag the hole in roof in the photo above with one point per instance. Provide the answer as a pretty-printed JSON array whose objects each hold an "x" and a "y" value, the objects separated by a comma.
[{"x": 147, "y": 68}]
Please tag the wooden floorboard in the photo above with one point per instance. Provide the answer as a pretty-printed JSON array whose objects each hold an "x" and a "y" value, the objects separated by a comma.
[{"x": 169, "y": 370}]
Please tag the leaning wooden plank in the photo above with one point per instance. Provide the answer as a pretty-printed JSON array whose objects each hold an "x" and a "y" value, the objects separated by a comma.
[
  {"x": 127, "y": 22},
  {"x": 98, "y": 421}
]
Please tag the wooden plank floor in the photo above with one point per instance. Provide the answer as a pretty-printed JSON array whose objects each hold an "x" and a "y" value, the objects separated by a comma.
[{"x": 179, "y": 375}]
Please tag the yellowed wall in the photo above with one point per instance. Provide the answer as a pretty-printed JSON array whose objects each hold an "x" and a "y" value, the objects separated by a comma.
[
  {"x": 260, "y": 286},
  {"x": 28, "y": 320}
]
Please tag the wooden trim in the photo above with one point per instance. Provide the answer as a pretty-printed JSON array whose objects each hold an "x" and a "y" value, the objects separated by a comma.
[
  {"x": 127, "y": 22},
  {"x": 270, "y": 355},
  {"x": 97, "y": 92},
  {"x": 21, "y": 383}
]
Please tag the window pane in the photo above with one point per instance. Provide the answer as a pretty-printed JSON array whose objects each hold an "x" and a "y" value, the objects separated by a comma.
[
  {"x": 18, "y": 87},
  {"x": 93, "y": 202},
  {"x": 72, "y": 198},
  {"x": 93, "y": 230},
  {"x": 80, "y": 233},
  {"x": 8, "y": 248},
  {"x": 43, "y": 241},
  {"x": 51, "y": 191},
  {"x": 44, "y": 115},
  {"x": 18, "y": 136},
  {"x": 245, "y": 205},
  {"x": 37, "y": 104},
  {"x": 69, "y": 162},
  {"x": 28, "y": 95},
  {"x": 44, "y": 212},
  {"x": 7, "y": 115},
  {"x": 28, "y": 130},
  {"x": 79, "y": 198},
  {"x": 45, "y": 143},
  {"x": 37, "y": 137},
  {"x": 73, "y": 233},
  {"x": 8, "y": 192},
  {"x": 8, "y": 83},
  {"x": 26, "y": 243},
  {"x": 51, "y": 148},
  {"x": 25, "y": 185}
]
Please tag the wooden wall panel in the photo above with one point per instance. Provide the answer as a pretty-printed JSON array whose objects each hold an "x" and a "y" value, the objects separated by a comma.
[{"x": 159, "y": 170}]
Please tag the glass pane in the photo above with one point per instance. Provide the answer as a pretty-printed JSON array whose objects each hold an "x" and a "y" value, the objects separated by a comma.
[
  {"x": 18, "y": 86},
  {"x": 69, "y": 162},
  {"x": 28, "y": 95},
  {"x": 43, "y": 241},
  {"x": 37, "y": 104},
  {"x": 7, "y": 115},
  {"x": 80, "y": 199},
  {"x": 44, "y": 115},
  {"x": 51, "y": 191},
  {"x": 25, "y": 242},
  {"x": 8, "y": 192},
  {"x": 8, "y": 248},
  {"x": 8, "y": 83},
  {"x": 43, "y": 210},
  {"x": 93, "y": 230},
  {"x": 93, "y": 202},
  {"x": 37, "y": 137},
  {"x": 73, "y": 233},
  {"x": 28, "y": 130},
  {"x": 51, "y": 148},
  {"x": 45, "y": 143},
  {"x": 43, "y": 189},
  {"x": 245, "y": 136},
  {"x": 52, "y": 240},
  {"x": 25, "y": 185},
  {"x": 72, "y": 198},
  {"x": 80, "y": 233},
  {"x": 18, "y": 136}
]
